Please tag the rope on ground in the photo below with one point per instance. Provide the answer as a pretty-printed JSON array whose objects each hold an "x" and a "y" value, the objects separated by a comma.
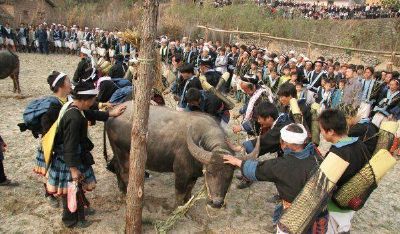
[{"x": 164, "y": 226}]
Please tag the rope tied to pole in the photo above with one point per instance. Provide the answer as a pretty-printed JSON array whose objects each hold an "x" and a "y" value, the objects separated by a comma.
[{"x": 146, "y": 61}]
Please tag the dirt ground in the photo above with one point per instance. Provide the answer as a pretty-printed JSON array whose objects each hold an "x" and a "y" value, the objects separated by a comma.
[{"x": 24, "y": 209}]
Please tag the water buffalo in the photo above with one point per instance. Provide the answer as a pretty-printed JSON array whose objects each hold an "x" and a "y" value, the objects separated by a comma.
[
  {"x": 9, "y": 67},
  {"x": 185, "y": 143}
]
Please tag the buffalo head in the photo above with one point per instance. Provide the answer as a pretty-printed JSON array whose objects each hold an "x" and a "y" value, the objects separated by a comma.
[{"x": 217, "y": 175}]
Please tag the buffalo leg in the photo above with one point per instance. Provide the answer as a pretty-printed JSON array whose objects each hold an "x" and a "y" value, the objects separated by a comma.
[
  {"x": 183, "y": 188},
  {"x": 189, "y": 189},
  {"x": 14, "y": 82}
]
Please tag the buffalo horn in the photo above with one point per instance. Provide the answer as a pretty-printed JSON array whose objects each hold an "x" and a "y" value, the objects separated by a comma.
[
  {"x": 206, "y": 86},
  {"x": 128, "y": 74},
  {"x": 224, "y": 78},
  {"x": 254, "y": 154},
  {"x": 198, "y": 153}
]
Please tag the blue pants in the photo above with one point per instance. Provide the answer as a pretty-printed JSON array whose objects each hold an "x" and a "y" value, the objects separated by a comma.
[{"x": 43, "y": 47}]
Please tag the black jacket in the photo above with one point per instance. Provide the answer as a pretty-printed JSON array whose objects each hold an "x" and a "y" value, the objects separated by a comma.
[
  {"x": 356, "y": 154},
  {"x": 213, "y": 77},
  {"x": 366, "y": 132},
  {"x": 106, "y": 90},
  {"x": 117, "y": 71},
  {"x": 270, "y": 141},
  {"x": 81, "y": 70},
  {"x": 72, "y": 135},
  {"x": 210, "y": 104}
]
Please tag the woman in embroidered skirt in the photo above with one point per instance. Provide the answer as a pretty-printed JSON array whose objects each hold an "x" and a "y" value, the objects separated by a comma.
[
  {"x": 72, "y": 160},
  {"x": 60, "y": 85}
]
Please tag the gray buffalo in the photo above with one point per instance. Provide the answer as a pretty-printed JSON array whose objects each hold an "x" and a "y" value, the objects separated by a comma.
[
  {"x": 9, "y": 67},
  {"x": 185, "y": 143}
]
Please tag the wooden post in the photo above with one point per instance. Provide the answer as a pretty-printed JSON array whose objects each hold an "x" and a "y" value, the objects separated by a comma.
[
  {"x": 259, "y": 39},
  {"x": 393, "y": 59},
  {"x": 206, "y": 36},
  {"x": 309, "y": 50},
  {"x": 140, "y": 117},
  {"x": 230, "y": 38},
  {"x": 389, "y": 67}
]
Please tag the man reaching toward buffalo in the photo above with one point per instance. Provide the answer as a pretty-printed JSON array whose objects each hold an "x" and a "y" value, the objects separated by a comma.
[{"x": 289, "y": 173}]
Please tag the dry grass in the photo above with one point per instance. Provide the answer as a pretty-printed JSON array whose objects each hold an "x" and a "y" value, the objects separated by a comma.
[{"x": 178, "y": 19}]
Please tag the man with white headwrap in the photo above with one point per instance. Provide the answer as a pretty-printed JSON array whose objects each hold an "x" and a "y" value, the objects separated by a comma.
[
  {"x": 84, "y": 65},
  {"x": 289, "y": 172}
]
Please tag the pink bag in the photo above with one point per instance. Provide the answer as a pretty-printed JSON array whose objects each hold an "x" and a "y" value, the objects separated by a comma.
[{"x": 71, "y": 196}]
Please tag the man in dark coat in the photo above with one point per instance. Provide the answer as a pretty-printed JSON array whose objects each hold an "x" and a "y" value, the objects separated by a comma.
[
  {"x": 286, "y": 92},
  {"x": 83, "y": 66},
  {"x": 118, "y": 69},
  {"x": 211, "y": 75},
  {"x": 41, "y": 36},
  {"x": 206, "y": 102},
  {"x": 187, "y": 80}
]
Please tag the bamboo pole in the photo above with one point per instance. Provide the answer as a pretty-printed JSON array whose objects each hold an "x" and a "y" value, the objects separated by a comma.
[{"x": 140, "y": 117}]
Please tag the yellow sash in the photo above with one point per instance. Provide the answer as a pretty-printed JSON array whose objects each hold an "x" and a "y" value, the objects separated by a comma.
[{"x": 49, "y": 137}]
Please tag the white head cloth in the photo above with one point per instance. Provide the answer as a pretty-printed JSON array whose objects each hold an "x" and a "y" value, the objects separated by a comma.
[
  {"x": 86, "y": 51},
  {"x": 294, "y": 137},
  {"x": 89, "y": 92},
  {"x": 61, "y": 75}
]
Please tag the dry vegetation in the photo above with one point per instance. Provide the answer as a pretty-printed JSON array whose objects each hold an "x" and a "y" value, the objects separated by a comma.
[{"x": 178, "y": 18}]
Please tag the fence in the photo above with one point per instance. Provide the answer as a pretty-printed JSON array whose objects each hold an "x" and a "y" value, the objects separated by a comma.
[{"x": 309, "y": 44}]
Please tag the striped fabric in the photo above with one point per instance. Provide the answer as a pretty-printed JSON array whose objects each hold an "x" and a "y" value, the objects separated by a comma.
[
  {"x": 40, "y": 165},
  {"x": 320, "y": 225},
  {"x": 59, "y": 176}
]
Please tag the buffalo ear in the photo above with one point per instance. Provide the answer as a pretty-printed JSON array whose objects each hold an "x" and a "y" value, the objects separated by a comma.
[{"x": 198, "y": 153}]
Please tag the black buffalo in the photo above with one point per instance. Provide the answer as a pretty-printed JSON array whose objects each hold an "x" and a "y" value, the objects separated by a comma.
[
  {"x": 187, "y": 144},
  {"x": 9, "y": 67}
]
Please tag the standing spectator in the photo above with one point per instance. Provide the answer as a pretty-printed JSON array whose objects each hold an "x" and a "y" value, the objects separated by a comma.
[
  {"x": 221, "y": 63},
  {"x": 3, "y": 178},
  {"x": 8, "y": 35},
  {"x": 41, "y": 36},
  {"x": 23, "y": 37},
  {"x": 353, "y": 89}
]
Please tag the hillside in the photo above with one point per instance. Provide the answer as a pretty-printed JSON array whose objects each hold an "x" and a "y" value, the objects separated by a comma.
[{"x": 178, "y": 19}]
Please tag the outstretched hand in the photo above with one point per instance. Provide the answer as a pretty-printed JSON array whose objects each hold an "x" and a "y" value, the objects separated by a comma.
[
  {"x": 236, "y": 128},
  {"x": 229, "y": 159},
  {"x": 117, "y": 111}
]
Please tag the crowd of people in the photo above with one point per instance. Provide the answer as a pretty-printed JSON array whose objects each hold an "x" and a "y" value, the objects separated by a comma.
[
  {"x": 57, "y": 38},
  {"x": 289, "y": 106},
  {"x": 291, "y": 9}
]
